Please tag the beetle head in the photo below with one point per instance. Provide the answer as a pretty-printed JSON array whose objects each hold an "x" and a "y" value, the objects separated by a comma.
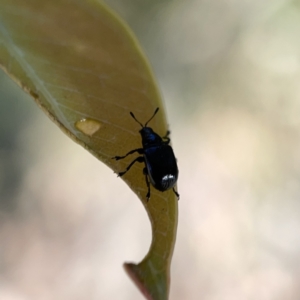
[{"x": 149, "y": 137}]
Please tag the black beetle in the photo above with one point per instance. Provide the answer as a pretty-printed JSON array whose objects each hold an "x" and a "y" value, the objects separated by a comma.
[{"x": 158, "y": 156}]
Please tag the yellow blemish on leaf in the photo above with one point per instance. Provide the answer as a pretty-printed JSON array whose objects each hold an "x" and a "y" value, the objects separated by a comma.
[{"x": 88, "y": 126}]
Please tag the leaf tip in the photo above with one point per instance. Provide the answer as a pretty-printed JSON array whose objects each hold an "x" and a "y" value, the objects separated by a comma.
[{"x": 133, "y": 272}]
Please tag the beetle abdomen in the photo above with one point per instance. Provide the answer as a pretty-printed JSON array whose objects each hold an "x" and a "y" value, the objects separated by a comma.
[
  {"x": 168, "y": 181},
  {"x": 162, "y": 167}
]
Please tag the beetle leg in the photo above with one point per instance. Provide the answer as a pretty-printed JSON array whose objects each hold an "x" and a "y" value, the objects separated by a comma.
[
  {"x": 145, "y": 171},
  {"x": 167, "y": 134},
  {"x": 166, "y": 137},
  {"x": 177, "y": 195},
  {"x": 139, "y": 150},
  {"x": 138, "y": 159}
]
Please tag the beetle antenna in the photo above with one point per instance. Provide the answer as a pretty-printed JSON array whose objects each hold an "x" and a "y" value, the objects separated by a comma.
[
  {"x": 152, "y": 116},
  {"x": 131, "y": 113}
]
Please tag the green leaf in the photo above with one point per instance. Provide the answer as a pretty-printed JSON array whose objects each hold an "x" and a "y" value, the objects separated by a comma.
[{"x": 85, "y": 69}]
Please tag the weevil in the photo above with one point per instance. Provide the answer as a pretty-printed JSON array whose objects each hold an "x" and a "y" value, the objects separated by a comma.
[{"x": 160, "y": 163}]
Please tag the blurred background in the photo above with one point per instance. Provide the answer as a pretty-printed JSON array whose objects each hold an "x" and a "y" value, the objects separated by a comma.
[{"x": 229, "y": 72}]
